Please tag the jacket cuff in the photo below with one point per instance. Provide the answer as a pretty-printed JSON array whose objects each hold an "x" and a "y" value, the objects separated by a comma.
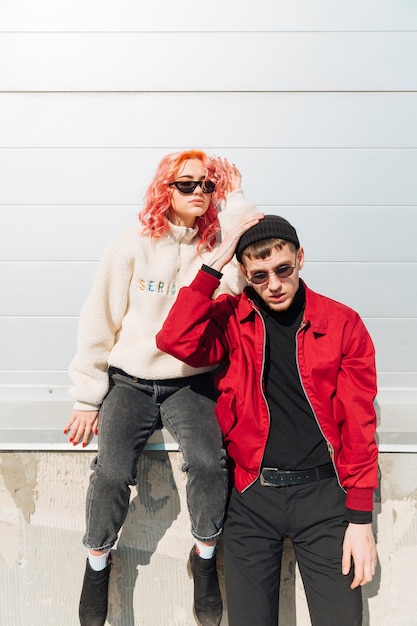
[
  {"x": 85, "y": 406},
  {"x": 205, "y": 283},
  {"x": 360, "y": 499},
  {"x": 359, "y": 517},
  {"x": 211, "y": 271}
]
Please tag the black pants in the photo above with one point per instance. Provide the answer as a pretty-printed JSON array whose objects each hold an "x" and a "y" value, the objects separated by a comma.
[{"x": 257, "y": 522}]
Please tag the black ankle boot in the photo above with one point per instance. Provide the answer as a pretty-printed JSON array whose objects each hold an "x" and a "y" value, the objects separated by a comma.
[
  {"x": 93, "y": 601},
  {"x": 208, "y": 606}
]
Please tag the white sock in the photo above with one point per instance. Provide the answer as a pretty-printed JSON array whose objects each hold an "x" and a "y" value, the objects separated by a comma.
[
  {"x": 205, "y": 551},
  {"x": 98, "y": 563}
]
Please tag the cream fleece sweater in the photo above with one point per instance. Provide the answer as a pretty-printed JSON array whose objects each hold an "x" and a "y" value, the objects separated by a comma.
[{"x": 136, "y": 284}]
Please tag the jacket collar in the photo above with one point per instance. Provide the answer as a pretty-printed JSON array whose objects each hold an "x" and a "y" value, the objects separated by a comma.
[{"x": 314, "y": 315}]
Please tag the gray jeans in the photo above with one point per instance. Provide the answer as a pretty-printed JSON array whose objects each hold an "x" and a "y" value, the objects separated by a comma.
[{"x": 131, "y": 411}]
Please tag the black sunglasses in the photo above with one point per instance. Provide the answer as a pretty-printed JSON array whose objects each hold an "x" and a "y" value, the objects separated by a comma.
[
  {"x": 189, "y": 186},
  {"x": 283, "y": 271}
]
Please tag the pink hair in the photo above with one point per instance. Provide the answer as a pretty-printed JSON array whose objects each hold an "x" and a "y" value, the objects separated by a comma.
[{"x": 158, "y": 199}]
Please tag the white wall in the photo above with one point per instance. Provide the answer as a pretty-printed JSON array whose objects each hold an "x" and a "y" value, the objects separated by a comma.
[{"x": 315, "y": 101}]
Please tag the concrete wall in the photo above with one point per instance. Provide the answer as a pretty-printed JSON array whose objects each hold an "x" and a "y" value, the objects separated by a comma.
[{"x": 42, "y": 559}]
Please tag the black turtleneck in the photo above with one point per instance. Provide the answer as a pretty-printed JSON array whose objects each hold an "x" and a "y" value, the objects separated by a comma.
[{"x": 295, "y": 440}]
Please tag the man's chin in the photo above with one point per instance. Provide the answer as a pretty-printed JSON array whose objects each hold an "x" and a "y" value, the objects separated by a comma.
[{"x": 279, "y": 305}]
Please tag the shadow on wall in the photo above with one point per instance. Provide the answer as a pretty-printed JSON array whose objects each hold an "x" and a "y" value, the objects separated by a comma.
[
  {"x": 152, "y": 511},
  {"x": 371, "y": 590}
]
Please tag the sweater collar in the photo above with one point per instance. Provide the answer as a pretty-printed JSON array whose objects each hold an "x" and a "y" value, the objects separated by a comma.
[{"x": 182, "y": 233}]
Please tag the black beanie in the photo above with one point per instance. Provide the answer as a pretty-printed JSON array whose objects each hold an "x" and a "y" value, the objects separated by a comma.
[{"x": 269, "y": 227}]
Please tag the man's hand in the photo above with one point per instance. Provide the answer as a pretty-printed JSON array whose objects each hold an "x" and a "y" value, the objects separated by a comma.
[
  {"x": 359, "y": 545},
  {"x": 81, "y": 426}
]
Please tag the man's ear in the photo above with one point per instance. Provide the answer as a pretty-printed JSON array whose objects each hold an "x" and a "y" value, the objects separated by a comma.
[
  {"x": 300, "y": 258},
  {"x": 243, "y": 270}
]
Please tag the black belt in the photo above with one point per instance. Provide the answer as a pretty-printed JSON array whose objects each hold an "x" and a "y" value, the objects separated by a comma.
[{"x": 274, "y": 477}]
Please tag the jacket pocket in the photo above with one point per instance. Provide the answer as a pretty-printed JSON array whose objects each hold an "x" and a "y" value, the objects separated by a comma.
[{"x": 226, "y": 412}]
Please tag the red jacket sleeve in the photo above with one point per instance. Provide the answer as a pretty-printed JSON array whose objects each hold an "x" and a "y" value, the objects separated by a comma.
[{"x": 194, "y": 330}]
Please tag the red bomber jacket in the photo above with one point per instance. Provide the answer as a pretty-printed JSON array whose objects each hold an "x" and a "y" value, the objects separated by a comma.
[{"x": 336, "y": 364}]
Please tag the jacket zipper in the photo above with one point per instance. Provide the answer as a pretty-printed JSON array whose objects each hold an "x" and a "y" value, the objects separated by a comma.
[
  {"x": 261, "y": 387},
  {"x": 329, "y": 445}
]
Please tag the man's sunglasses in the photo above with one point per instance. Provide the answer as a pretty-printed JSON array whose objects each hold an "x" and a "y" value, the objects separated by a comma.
[
  {"x": 189, "y": 186},
  {"x": 283, "y": 271}
]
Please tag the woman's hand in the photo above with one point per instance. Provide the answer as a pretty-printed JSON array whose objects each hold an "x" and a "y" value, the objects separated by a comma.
[
  {"x": 229, "y": 173},
  {"x": 226, "y": 249},
  {"x": 81, "y": 427}
]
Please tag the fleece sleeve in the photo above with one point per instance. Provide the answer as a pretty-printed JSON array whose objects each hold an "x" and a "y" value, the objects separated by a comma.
[
  {"x": 236, "y": 207},
  {"x": 100, "y": 321}
]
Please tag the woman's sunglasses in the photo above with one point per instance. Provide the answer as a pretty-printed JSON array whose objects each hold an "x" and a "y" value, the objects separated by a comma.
[{"x": 189, "y": 186}]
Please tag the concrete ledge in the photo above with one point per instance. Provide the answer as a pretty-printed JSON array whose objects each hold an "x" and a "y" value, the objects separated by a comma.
[
  {"x": 37, "y": 425},
  {"x": 397, "y": 430}
]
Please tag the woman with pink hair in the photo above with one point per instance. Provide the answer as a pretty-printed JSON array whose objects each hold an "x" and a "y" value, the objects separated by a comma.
[{"x": 124, "y": 387}]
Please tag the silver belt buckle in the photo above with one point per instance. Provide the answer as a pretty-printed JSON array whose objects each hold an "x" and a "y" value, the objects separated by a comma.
[{"x": 263, "y": 480}]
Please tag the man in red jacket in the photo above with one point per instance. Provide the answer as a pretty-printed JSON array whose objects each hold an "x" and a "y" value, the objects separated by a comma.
[{"x": 297, "y": 386}]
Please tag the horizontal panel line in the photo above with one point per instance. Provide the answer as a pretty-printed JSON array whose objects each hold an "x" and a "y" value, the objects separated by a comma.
[
  {"x": 41, "y": 261},
  {"x": 78, "y": 261},
  {"x": 310, "y": 262},
  {"x": 64, "y": 371},
  {"x": 44, "y": 317},
  {"x": 23, "y": 371},
  {"x": 214, "y": 91},
  {"x": 205, "y": 91},
  {"x": 75, "y": 317},
  {"x": 218, "y": 31},
  {"x": 385, "y": 372},
  {"x": 134, "y": 206},
  {"x": 84, "y": 261},
  {"x": 16, "y": 446},
  {"x": 251, "y": 148},
  {"x": 10, "y": 205},
  {"x": 32, "y": 385}
]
